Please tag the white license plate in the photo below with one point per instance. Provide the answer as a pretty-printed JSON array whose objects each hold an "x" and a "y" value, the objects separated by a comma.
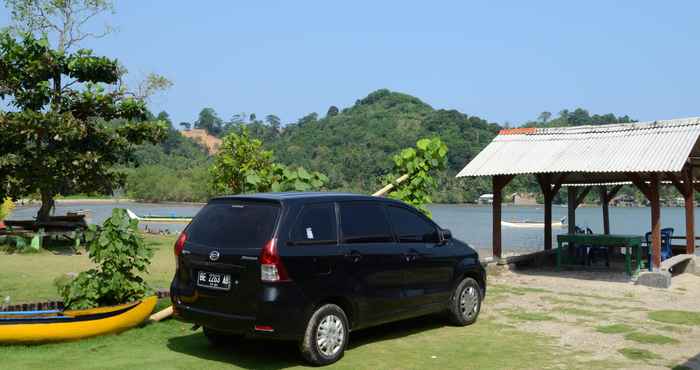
[{"x": 214, "y": 280}]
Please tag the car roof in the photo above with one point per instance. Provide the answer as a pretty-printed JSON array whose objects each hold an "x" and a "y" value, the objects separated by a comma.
[{"x": 306, "y": 196}]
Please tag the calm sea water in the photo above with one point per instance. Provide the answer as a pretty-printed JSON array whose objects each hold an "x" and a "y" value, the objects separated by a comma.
[{"x": 467, "y": 222}]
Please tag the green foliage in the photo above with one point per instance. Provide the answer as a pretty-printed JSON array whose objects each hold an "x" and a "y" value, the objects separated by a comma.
[
  {"x": 121, "y": 257},
  {"x": 210, "y": 121},
  {"x": 243, "y": 166},
  {"x": 6, "y": 208},
  {"x": 69, "y": 127},
  {"x": 419, "y": 163}
]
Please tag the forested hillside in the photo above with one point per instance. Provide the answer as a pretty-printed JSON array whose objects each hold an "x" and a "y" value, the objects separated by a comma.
[{"x": 352, "y": 146}]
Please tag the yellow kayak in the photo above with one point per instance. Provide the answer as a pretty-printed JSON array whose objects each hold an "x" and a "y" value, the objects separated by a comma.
[{"x": 54, "y": 325}]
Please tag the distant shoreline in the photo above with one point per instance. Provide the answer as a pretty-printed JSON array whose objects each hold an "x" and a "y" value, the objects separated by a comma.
[{"x": 89, "y": 201}]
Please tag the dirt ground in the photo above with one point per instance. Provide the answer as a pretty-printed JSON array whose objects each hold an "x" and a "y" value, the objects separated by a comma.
[{"x": 602, "y": 316}]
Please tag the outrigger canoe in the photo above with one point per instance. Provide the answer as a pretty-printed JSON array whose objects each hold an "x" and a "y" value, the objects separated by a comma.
[
  {"x": 57, "y": 325},
  {"x": 161, "y": 219},
  {"x": 527, "y": 224}
]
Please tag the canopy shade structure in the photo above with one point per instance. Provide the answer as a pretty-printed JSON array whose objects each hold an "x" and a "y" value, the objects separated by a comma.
[
  {"x": 646, "y": 154},
  {"x": 590, "y": 154}
]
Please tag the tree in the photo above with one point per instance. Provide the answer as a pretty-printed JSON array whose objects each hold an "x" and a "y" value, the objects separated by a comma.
[
  {"x": 64, "y": 19},
  {"x": 420, "y": 163},
  {"x": 186, "y": 125},
  {"x": 71, "y": 124},
  {"x": 210, "y": 121},
  {"x": 273, "y": 121},
  {"x": 544, "y": 116},
  {"x": 332, "y": 111},
  {"x": 243, "y": 166}
]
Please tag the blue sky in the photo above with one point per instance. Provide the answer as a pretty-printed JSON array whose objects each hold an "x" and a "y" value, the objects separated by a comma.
[{"x": 504, "y": 61}]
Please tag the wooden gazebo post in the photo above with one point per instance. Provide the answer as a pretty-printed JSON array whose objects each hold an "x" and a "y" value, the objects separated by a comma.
[
  {"x": 651, "y": 191},
  {"x": 689, "y": 211},
  {"x": 686, "y": 188},
  {"x": 498, "y": 183},
  {"x": 549, "y": 190}
]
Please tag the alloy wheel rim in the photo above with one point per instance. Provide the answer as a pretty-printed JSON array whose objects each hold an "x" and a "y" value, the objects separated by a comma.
[
  {"x": 330, "y": 335},
  {"x": 468, "y": 302}
]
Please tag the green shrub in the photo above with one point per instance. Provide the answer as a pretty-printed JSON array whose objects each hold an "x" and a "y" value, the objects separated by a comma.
[
  {"x": 6, "y": 208},
  {"x": 121, "y": 256}
]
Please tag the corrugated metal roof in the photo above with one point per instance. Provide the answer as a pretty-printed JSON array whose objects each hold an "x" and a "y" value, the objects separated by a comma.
[{"x": 607, "y": 150}]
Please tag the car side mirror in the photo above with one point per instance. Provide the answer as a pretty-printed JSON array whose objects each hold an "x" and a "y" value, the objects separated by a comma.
[{"x": 444, "y": 235}]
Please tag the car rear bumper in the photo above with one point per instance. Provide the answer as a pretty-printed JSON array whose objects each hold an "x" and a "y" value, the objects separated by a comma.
[{"x": 279, "y": 308}]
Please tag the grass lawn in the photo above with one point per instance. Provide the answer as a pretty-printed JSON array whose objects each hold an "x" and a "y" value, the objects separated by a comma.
[
  {"x": 415, "y": 344},
  {"x": 29, "y": 277},
  {"x": 506, "y": 335}
]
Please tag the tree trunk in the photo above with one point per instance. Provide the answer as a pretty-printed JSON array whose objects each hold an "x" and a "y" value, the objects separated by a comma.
[{"x": 47, "y": 204}]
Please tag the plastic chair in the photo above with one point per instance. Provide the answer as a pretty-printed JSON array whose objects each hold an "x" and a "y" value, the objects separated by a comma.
[{"x": 666, "y": 249}]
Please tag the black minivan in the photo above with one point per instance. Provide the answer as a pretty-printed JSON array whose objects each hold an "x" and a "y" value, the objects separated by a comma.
[{"x": 311, "y": 267}]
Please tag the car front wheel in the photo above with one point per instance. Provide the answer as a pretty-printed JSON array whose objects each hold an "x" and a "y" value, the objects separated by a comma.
[
  {"x": 465, "y": 303},
  {"x": 326, "y": 335}
]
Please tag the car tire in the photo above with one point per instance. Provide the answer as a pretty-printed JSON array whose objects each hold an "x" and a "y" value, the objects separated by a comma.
[
  {"x": 326, "y": 336},
  {"x": 465, "y": 303},
  {"x": 217, "y": 338}
]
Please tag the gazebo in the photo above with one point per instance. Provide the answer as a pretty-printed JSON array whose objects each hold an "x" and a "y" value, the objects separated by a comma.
[{"x": 605, "y": 157}]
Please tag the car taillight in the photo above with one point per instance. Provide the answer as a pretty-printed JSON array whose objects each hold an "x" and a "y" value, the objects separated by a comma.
[
  {"x": 271, "y": 267},
  {"x": 180, "y": 243}
]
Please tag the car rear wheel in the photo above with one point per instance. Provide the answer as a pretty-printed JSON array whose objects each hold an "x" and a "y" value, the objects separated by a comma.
[
  {"x": 218, "y": 338},
  {"x": 465, "y": 303},
  {"x": 326, "y": 335}
]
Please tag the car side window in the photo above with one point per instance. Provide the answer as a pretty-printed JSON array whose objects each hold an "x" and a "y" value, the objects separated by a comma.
[
  {"x": 364, "y": 223},
  {"x": 316, "y": 224},
  {"x": 410, "y": 227}
]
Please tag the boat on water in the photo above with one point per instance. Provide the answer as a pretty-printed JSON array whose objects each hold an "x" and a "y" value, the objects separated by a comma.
[
  {"x": 530, "y": 224},
  {"x": 59, "y": 325},
  {"x": 161, "y": 219}
]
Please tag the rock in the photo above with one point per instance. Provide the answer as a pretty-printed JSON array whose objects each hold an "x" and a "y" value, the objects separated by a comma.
[{"x": 655, "y": 279}]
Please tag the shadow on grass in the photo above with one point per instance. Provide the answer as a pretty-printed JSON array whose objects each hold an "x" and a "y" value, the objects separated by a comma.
[{"x": 269, "y": 354}]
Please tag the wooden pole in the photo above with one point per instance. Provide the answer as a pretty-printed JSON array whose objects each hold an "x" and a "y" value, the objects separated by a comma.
[
  {"x": 689, "y": 211},
  {"x": 545, "y": 181},
  {"x": 497, "y": 184},
  {"x": 496, "y": 216},
  {"x": 655, "y": 221},
  {"x": 571, "y": 203},
  {"x": 381, "y": 192},
  {"x": 604, "y": 200}
]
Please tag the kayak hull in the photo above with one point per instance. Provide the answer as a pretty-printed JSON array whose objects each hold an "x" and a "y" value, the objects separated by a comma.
[
  {"x": 73, "y": 325},
  {"x": 530, "y": 225}
]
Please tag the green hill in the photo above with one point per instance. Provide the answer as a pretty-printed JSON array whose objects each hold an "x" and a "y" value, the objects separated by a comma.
[{"x": 354, "y": 147}]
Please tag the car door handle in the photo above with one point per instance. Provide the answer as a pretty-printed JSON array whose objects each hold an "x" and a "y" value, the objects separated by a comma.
[{"x": 354, "y": 256}]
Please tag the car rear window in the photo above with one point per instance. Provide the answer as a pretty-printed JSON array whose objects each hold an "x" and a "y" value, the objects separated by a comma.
[{"x": 234, "y": 225}]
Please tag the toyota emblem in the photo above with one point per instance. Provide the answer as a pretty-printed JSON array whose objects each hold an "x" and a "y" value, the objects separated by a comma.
[{"x": 214, "y": 255}]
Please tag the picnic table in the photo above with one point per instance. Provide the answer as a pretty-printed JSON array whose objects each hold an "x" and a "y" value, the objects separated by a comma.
[{"x": 628, "y": 242}]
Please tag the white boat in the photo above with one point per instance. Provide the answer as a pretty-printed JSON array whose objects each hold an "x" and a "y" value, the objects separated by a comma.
[{"x": 529, "y": 224}]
